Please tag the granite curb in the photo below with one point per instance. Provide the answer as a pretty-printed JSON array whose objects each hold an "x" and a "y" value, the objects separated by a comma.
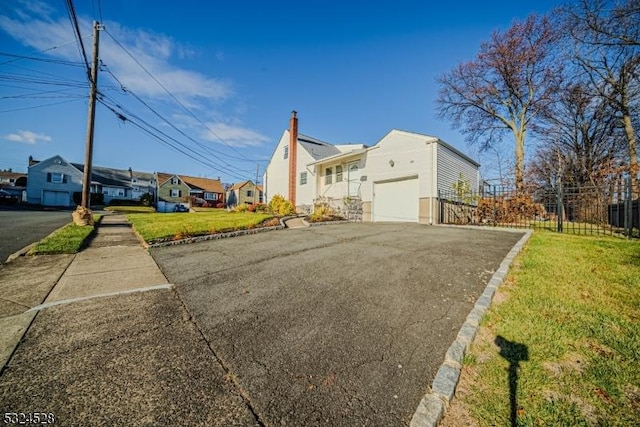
[
  {"x": 434, "y": 404},
  {"x": 213, "y": 236}
]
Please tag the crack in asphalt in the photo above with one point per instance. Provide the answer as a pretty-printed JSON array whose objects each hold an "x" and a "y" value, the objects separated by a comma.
[
  {"x": 229, "y": 375},
  {"x": 15, "y": 302}
]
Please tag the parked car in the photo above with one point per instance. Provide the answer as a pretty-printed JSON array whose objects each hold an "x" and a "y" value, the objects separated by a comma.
[
  {"x": 180, "y": 208},
  {"x": 7, "y": 198}
]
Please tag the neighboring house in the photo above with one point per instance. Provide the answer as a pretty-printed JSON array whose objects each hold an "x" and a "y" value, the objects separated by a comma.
[
  {"x": 53, "y": 181},
  {"x": 12, "y": 179},
  {"x": 181, "y": 189},
  {"x": 397, "y": 179},
  {"x": 14, "y": 183},
  {"x": 245, "y": 192}
]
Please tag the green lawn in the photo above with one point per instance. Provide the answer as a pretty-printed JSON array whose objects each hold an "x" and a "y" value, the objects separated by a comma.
[
  {"x": 569, "y": 314},
  {"x": 67, "y": 240},
  {"x": 129, "y": 209},
  {"x": 156, "y": 226}
]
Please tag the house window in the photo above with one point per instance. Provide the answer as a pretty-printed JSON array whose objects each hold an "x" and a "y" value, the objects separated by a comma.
[
  {"x": 120, "y": 192},
  {"x": 176, "y": 192},
  {"x": 210, "y": 196},
  {"x": 136, "y": 188},
  {"x": 174, "y": 181},
  {"x": 327, "y": 175},
  {"x": 286, "y": 151},
  {"x": 57, "y": 178},
  {"x": 151, "y": 182},
  {"x": 303, "y": 178},
  {"x": 339, "y": 173},
  {"x": 134, "y": 180},
  {"x": 249, "y": 193}
]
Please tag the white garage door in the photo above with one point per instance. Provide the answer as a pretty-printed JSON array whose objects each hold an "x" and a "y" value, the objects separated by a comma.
[
  {"x": 56, "y": 198},
  {"x": 396, "y": 200}
]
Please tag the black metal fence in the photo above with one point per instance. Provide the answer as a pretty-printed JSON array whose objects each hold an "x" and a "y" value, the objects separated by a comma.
[{"x": 603, "y": 210}]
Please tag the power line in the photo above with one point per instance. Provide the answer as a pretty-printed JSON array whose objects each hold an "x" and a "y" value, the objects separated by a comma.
[
  {"x": 76, "y": 31},
  {"x": 41, "y": 51},
  {"x": 174, "y": 98},
  {"x": 34, "y": 58},
  {"x": 162, "y": 137},
  {"x": 203, "y": 146},
  {"x": 38, "y": 106}
]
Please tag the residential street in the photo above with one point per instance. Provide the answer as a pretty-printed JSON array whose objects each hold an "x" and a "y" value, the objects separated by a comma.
[
  {"x": 21, "y": 227},
  {"x": 334, "y": 325}
]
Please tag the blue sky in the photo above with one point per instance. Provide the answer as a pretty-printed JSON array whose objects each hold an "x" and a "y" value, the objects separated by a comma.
[{"x": 230, "y": 74}]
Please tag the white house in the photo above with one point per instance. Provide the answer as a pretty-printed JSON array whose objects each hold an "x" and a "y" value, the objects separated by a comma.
[{"x": 397, "y": 179}]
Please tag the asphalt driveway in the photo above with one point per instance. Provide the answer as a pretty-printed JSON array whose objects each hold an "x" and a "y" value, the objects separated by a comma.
[{"x": 336, "y": 325}]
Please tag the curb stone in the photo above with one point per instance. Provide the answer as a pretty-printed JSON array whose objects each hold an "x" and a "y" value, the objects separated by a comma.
[
  {"x": 433, "y": 405},
  {"x": 214, "y": 236}
]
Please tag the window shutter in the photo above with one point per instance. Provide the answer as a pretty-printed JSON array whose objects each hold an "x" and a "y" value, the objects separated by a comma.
[
  {"x": 64, "y": 178},
  {"x": 48, "y": 176},
  {"x": 179, "y": 193}
]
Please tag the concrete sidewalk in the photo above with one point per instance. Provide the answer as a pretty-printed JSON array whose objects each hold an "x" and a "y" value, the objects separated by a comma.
[{"x": 107, "y": 341}]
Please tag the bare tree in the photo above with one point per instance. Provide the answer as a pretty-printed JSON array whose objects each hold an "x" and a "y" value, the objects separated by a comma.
[
  {"x": 504, "y": 88},
  {"x": 607, "y": 36},
  {"x": 580, "y": 142}
]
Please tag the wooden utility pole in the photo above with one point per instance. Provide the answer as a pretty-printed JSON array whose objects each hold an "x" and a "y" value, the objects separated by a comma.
[
  {"x": 88, "y": 156},
  {"x": 255, "y": 190}
]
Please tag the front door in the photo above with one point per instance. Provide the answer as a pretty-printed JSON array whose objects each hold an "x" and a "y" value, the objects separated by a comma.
[{"x": 354, "y": 179}]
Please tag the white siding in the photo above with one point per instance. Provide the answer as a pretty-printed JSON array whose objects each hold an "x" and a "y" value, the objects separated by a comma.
[
  {"x": 276, "y": 177},
  {"x": 410, "y": 155},
  {"x": 336, "y": 190},
  {"x": 450, "y": 166}
]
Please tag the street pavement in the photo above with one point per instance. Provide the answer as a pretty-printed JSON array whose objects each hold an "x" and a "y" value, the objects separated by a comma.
[
  {"x": 330, "y": 325},
  {"x": 20, "y": 227}
]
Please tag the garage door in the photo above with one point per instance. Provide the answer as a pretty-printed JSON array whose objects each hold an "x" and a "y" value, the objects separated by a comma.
[
  {"x": 56, "y": 198},
  {"x": 396, "y": 200}
]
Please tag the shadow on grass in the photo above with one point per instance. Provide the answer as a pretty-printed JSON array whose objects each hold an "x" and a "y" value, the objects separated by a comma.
[{"x": 514, "y": 353}]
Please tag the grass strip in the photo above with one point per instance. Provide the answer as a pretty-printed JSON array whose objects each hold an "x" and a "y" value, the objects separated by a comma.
[
  {"x": 561, "y": 343},
  {"x": 130, "y": 209},
  {"x": 66, "y": 240},
  {"x": 175, "y": 226}
]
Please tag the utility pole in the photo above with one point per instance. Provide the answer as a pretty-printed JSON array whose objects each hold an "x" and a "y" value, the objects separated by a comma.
[
  {"x": 255, "y": 190},
  {"x": 86, "y": 178}
]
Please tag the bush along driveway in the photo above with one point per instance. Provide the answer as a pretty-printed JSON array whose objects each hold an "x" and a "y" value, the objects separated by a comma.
[{"x": 169, "y": 228}]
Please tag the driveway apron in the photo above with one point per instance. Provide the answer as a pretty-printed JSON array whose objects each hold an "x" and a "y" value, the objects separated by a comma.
[{"x": 335, "y": 325}]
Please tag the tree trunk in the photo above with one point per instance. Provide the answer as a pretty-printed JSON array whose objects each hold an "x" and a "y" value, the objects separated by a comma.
[
  {"x": 519, "y": 166},
  {"x": 633, "y": 153}
]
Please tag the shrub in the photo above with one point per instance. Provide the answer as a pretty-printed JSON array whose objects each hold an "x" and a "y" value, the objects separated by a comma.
[
  {"x": 251, "y": 208},
  {"x": 242, "y": 207},
  {"x": 94, "y": 199},
  {"x": 261, "y": 208},
  {"x": 221, "y": 206},
  {"x": 124, "y": 202},
  {"x": 146, "y": 199},
  {"x": 280, "y": 206}
]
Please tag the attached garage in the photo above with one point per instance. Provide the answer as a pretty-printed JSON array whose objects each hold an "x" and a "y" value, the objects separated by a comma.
[
  {"x": 56, "y": 198},
  {"x": 396, "y": 200}
]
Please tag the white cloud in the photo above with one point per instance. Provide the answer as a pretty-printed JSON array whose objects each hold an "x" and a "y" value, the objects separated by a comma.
[
  {"x": 35, "y": 25},
  {"x": 27, "y": 137},
  {"x": 236, "y": 136}
]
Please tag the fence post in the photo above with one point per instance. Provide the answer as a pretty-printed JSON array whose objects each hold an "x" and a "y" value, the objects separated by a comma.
[
  {"x": 494, "y": 207},
  {"x": 559, "y": 208},
  {"x": 628, "y": 220}
]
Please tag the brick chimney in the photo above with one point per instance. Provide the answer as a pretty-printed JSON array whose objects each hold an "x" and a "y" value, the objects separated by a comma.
[{"x": 293, "y": 156}]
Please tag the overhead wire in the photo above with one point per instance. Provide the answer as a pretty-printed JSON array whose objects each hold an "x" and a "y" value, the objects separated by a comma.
[
  {"x": 164, "y": 138},
  {"x": 168, "y": 122},
  {"x": 78, "y": 35},
  {"x": 174, "y": 97}
]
